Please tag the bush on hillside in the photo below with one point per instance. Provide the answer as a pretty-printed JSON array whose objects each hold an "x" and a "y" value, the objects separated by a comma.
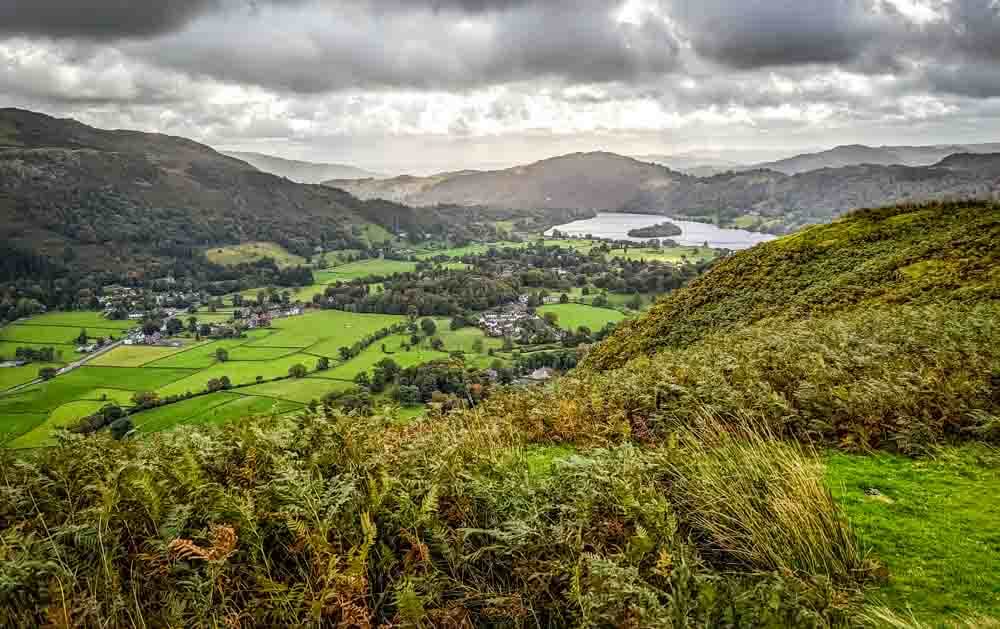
[{"x": 902, "y": 378}]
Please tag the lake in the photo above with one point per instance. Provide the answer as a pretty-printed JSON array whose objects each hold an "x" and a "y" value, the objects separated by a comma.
[{"x": 616, "y": 226}]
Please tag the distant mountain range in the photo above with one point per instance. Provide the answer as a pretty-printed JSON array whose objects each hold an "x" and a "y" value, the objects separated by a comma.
[
  {"x": 856, "y": 154},
  {"x": 302, "y": 172},
  {"x": 709, "y": 164},
  {"x": 772, "y": 200}
]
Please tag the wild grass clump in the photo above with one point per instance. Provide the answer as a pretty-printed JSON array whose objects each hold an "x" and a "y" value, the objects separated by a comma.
[
  {"x": 333, "y": 520},
  {"x": 761, "y": 503}
]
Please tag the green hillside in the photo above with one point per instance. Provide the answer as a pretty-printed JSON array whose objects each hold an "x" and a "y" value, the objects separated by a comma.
[{"x": 907, "y": 254}]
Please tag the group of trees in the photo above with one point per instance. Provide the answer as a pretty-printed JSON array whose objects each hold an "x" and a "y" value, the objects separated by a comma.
[{"x": 431, "y": 293}]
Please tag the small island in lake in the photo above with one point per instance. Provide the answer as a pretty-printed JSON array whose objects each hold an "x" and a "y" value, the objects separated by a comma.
[{"x": 661, "y": 230}]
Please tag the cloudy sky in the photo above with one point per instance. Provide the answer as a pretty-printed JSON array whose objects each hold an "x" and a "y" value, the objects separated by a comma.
[{"x": 424, "y": 85}]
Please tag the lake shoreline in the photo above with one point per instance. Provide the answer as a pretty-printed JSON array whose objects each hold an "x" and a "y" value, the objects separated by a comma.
[{"x": 616, "y": 225}]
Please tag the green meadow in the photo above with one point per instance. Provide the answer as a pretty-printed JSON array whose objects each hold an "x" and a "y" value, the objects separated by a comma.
[
  {"x": 252, "y": 252},
  {"x": 573, "y": 316}
]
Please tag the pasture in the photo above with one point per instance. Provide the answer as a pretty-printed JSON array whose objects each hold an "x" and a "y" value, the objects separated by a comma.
[
  {"x": 252, "y": 252},
  {"x": 573, "y": 316},
  {"x": 362, "y": 269},
  {"x": 78, "y": 319},
  {"x": 324, "y": 332},
  {"x": 134, "y": 355},
  {"x": 367, "y": 359},
  {"x": 11, "y": 377},
  {"x": 468, "y": 250}
]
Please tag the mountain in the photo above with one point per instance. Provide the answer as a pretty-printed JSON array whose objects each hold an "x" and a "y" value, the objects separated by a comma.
[
  {"x": 918, "y": 254},
  {"x": 596, "y": 181},
  {"x": 302, "y": 172},
  {"x": 765, "y": 200},
  {"x": 857, "y": 154},
  {"x": 773, "y": 201},
  {"x": 75, "y": 199}
]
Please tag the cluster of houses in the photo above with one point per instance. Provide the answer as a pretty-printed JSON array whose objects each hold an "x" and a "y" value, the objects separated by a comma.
[
  {"x": 506, "y": 321},
  {"x": 134, "y": 301},
  {"x": 252, "y": 319}
]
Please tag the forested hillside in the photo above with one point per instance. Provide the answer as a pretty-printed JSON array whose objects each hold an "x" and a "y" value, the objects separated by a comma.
[
  {"x": 908, "y": 254},
  {"x": 102, "y": 199}
]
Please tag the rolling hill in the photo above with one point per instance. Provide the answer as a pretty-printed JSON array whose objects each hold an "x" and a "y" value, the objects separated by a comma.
[
  {"x": 78, "y": 197},
  {"x": 919, "y": 254},
  {"x": 302, "y": 172},
  {"x": 594, "y": 181}
]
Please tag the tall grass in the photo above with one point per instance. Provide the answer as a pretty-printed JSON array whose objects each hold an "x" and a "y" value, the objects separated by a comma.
[{"x": 761, "y": 503}]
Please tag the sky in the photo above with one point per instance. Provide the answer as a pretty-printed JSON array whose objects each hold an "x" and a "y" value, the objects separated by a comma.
[{"x": 428, "y": 85}]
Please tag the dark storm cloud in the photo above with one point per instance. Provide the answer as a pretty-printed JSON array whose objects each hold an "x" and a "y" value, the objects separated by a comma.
[
  {"x": 423, "y": 45},
  {"x": 762, "y": 33},
  {"x": 99, "y": 19}
]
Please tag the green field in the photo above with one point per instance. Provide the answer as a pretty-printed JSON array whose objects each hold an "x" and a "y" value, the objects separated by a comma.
[
  {"x": 64, "y": 353},
  {"x": 468, "y": 250},
  {"x": 14, "y": 376},
  {"x": 361, "y": 269},
  {"x": 297, "y": 389},
  {"x": 78, "y": 319},
  {"x": 134, "y": 355},
  {"x": 252, "y": 252},
  {"x": 42, "y": 402},
  {"x": 573, "y": 316},
  {"x": 61, "y": 417},
  {"x": 934, "y": 525},
  {"x": 45, "y": 334},
  {"x": 324, "y": 332},
  {"x": 463, "y": 339},
  {"x": 672, "y": 255},
  {"x": 373, "y": 354},
  {"x": 238, "y": 372}
]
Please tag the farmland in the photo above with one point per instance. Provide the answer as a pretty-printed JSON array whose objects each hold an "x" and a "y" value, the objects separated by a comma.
[
  {"x": 361, "y": 269},
  {"x": 29, "y": 416},
  {"x": 573, "y": 316}
]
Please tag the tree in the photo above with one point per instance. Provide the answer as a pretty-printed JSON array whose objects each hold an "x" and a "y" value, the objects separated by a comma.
[
  {"x": 437, "y": 344},
  {"x": 478, "y": 346},
  {"x": 362, "y": 380},
  {"x": 297, "y": 371},
  {"x": 81, "y": 338},
  {"x": 221, "y": 355},
  {"x": 564, "y": 298},
  {"x": 192, "y": 324},
  {"x": 414, "y": 340},
  {"x": 225, "y": 382},
  {"x": 47, "y": 373},
  {"x": 174, "y": 326},
  {"x": 428, "y": 326},
  {"x": 121, "y": 427},
  {"x": 323, "y": 364},
  {"x": 145, "y": 398},
  {"x": 636, "y": 302},
  {"x": 601, "y": 300},
  {"x": 551, "y": 318},
  {"x": 345, "y": 353},
  {"x": 508, "y": 344}
]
